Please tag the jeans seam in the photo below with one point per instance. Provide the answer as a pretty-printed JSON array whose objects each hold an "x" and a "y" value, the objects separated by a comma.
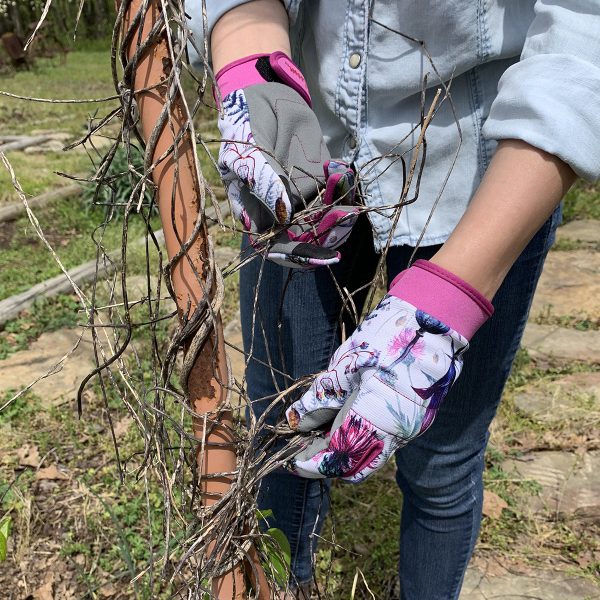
[{"x": 302, "y": 505}]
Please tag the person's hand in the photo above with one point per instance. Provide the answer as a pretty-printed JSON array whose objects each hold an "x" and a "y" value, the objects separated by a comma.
[
  {"x": 275, "y": 164},
  {"x": 386, "y": 382}
]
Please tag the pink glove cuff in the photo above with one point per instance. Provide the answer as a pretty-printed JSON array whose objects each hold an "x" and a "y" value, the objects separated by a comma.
[
  {"x": 444, "y": 296},
  {"x": 262, "y": 68}
]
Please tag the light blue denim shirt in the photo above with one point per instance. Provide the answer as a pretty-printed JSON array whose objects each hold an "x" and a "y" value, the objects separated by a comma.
[{"x": 525, "y": 69}]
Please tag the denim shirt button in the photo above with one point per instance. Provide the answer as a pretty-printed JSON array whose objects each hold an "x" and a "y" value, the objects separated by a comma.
[{"x": 354, "y": 60}]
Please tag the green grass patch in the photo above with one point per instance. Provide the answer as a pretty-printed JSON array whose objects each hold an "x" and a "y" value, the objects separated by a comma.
[
  {"x": 361, "y": 531},
  {"x": 85, "y": 75},
  {"x": 582, "y": 202},
  {"x": 68, "y": 225},
  {"x": 47, "y": 314}
]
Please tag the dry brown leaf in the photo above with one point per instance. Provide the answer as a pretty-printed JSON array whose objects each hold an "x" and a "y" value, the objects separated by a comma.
[
  {"x": 45, "y": 592},
  {"x": 586, "y": 559},
  {"x": 493, "y": 505},
  {"x": 29, "y": 456},
  {"x": 108, "y": 590},
  {"x": 50, "y": 472}
]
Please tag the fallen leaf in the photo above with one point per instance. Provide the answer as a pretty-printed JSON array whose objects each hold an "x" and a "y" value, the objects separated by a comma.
[
  {"x": 45, "y": 592},
  {"x": 586, "y": 559},
  {"x": 50, "y": 472},
  {"x": 493, "y": 504},
  {"x": 108, "y": 590},
  {"x": 79, "y": 559},
  {"x": 29, "y": 456}
]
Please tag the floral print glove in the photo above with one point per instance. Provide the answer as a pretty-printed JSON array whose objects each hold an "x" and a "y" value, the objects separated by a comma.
[
  {"x": 276, "y": 167},
  {"x": 386, "y": 382}
]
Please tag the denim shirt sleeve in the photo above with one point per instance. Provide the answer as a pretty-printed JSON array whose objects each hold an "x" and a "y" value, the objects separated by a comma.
[{"x": 549, "y": 98}]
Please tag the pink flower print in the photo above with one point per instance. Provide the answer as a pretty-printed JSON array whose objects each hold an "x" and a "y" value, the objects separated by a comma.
[
  {"x": 354, "y": 446},
  {"x": 402, "y": 340}
]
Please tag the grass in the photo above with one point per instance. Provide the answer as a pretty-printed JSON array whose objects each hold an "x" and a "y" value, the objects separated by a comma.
[
  {"x": 582, "y": 202},
  {"x": 85, "y": 75},
  {"x": 45, "y": 315},
  {"x": 68, "y": 225}
]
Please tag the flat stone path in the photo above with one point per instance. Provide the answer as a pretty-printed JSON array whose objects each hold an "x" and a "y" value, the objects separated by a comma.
[
  {"x": 585, "y": 231},
  {"x": 561, "y": 344},
  {"x": 575, "y": 396},
  {"x": 22, "y": 368},
  {"x": 570, "y": 483},
  {"x": 569, "y": 285},
  {"x": 539, "y": 585}
]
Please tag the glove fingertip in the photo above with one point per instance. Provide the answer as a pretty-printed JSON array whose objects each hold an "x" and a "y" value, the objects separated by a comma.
[{"x": 292, "y": 416}]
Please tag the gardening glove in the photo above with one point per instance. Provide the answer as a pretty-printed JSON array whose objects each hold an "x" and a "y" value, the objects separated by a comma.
[
  {"x": 276, "y": 167},
  {"x": 386, "y": 382}
]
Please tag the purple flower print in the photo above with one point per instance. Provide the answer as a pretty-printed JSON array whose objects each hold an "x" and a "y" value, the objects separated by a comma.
[
  {"x": 436, "y": 393},
  {"x": 354, "y": 446}
]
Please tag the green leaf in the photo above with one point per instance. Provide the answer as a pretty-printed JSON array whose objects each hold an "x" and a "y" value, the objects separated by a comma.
[
  {"x": 279, "y": 555},
  {"x": 4, "y": 533},
  {"x": 264, "y": 514}
]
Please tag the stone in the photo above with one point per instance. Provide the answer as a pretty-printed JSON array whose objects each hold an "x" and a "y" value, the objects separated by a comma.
[
  {"x": 538, "y": 585},
  {"x": 569, "y": 285},
  {"x": 24, "y": 367},
  {"x": 63, "y": 136},
  {"x": 585, "y": 230},
  {"x": 570, "y": 483},
  {"x": 49, "y": 146},
  {"x": 100, "y": 142},
  {"x": 559, "y": 344},
  {"x": 573, "y": 397}
]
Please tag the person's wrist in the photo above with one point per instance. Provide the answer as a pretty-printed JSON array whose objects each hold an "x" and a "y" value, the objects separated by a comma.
[
  {"x": 262, "y": 68},
  {"x": 443, "y": 295}
]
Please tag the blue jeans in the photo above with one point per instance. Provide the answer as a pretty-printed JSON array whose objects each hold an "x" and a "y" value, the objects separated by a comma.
[{"x": 296, "y": 329}]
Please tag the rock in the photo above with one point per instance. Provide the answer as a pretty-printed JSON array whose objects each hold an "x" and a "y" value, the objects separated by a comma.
[
  {"x": 569, "y": 285},
  {"x": 560, "y": 344},
  {"x": 586, "y": 231},
  {"x": 49, "y": 146},
  {"x": 55, "y": 135},
  {"x": 573, "y": 397},
  {"x": 539, "y": 585},
  {"x": 99, "y": 142},
  {"x": 570, "y": 483},
  {"x": 22, "y": 368}
]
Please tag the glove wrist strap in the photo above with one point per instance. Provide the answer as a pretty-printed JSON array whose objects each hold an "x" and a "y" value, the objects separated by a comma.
[
  {"x": 444, "y": 296},
  {"x": 262, "y": 68}
]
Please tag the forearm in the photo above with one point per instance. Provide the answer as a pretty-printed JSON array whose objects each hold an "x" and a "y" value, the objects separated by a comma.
[
  {"x": 257, "y": 27},
  {"x": 519, "y": 191}
]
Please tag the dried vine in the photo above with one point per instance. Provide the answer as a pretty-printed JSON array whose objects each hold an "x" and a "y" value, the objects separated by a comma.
[{"x": 146, "y": 358}]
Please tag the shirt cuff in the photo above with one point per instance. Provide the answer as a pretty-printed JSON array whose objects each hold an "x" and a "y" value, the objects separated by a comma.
[{"x": 549, "y": 101}]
